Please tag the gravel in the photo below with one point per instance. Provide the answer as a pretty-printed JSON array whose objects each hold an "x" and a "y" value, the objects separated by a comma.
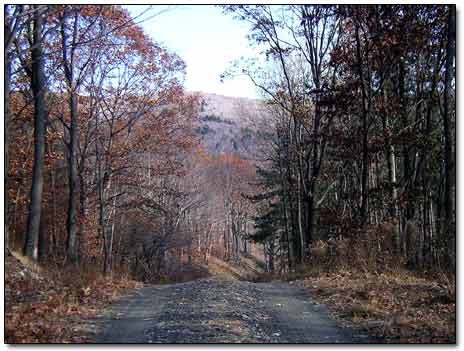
[{"x": 213, "y": 310}]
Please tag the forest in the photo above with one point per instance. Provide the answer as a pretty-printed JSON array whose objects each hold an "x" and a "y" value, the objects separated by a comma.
[
  {"x": 349, "y": 164},
  {"x": 362, "y": 146}
]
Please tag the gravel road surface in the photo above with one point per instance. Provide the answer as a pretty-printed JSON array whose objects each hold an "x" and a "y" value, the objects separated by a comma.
[{"x": 215, "y": 310}]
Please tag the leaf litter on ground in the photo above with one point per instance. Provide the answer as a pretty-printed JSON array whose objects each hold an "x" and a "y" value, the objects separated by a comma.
[
  {"x": 397, "y": 307},
  {"x": 48, "y": 306}
]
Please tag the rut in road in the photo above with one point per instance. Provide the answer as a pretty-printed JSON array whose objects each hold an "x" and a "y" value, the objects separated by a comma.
[{"x": 215, "y": 310}]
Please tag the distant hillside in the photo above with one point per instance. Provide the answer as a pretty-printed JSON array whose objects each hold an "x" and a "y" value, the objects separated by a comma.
[{"x": 230, "y": 124}]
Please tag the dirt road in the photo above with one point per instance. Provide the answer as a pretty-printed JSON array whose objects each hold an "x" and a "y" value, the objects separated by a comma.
[{"x": 216, "y": 310}]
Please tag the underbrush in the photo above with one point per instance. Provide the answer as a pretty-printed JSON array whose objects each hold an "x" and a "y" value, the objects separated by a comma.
[
  {"x": 46, "y": 303},
  {"x": 187, "y": 273},
  {"x": 371, "y": 290},
  {"x": 397, "y": 306}
]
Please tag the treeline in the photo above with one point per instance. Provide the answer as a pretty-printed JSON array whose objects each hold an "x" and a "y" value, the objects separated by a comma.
[
  {"x": 103, "y": 166},
  {"x": 98, "y": 128},
  {"x": 359, "y": 156}
]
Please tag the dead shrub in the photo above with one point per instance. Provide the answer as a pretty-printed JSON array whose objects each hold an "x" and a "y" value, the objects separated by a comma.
[
  {"x": 362, "y": 310},
  {"x": 263, "y": 277},
  {"x": 318, "y": 253},
  {"x": 369, "y": 250}
]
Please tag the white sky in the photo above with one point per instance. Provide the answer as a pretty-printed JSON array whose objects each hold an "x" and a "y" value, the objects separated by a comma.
[{"x": 207, "y": 41}]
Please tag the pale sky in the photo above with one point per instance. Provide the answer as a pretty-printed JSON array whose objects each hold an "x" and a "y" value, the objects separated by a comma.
[{"x": 207, "y": 41}]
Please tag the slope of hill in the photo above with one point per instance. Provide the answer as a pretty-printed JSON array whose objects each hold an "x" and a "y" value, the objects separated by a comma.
[{"x": 230, "y": 125}]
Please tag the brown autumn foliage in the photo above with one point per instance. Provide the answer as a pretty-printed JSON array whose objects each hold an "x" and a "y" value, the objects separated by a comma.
[{"x": 359, "y": 174}]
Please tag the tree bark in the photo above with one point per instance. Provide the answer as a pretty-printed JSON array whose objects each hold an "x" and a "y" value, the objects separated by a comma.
[
  {"x": 38, "y": 86},
  {"x": 10, "y": 34},
  {"x": 7, "y": 87},
  {"x": 68, "y": 65},
  {"x": 42, "y": 244},
  {"x": 365, "y": 160},
  {"x": 71, "y": 224},
  {"x": 391, "y": 165},
  {"x": 449, "y": 235}
]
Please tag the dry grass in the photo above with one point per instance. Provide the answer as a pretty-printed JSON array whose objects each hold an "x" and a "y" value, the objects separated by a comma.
[
  {"x": 46, "y": 304},
  {"x": 183, "y": 274},
  {"x": 396, "y": 306}
]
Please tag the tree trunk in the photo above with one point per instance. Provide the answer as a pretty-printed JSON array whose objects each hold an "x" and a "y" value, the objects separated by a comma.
[
  {"x": 11, "y": 28},
  {"x": 71, "y": 224},
  {"x": 271, "y": 255},
  {"x": 42, "y": 245},
  {"x": 68, "y": 65},
  {"x": 288, "y": 230},
  {"x": 309, "y": 219},
  {"x": 7, "y": 87},
  {"x": 38, "y": 86},
  {"x": 391, "y": 165},
  {"x": 449, "y": 236},
  {"x": 409, "y": 209},
  {"x": 365, "y": 159},
  {"x": 82, "y": 210}
]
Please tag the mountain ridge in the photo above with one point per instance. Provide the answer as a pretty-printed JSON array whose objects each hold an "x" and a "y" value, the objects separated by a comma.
[{"x": 229, "y": 125}]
